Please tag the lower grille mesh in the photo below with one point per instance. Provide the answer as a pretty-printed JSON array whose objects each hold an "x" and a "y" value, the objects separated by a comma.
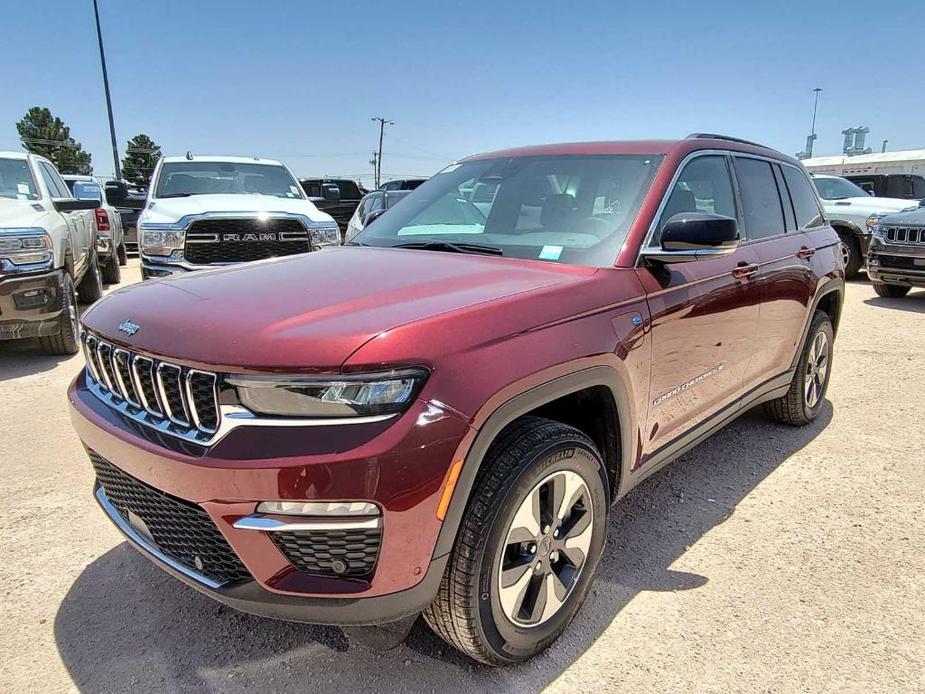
[
  {"x": 180, "y": 530},
  {"x": 331, "y": 552}
]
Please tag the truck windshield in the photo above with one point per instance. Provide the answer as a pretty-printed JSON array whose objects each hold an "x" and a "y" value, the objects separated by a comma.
[
  {"x": 567, "y": 209},
  {"x": 838, "y": 189},
  {"x": 16, "y": 180},
  {"x": 184, "y": 178}
]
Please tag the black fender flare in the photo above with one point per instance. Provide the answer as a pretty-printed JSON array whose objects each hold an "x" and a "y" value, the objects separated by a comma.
[
  {"x": 835, "y": 285},
  {"x": 520, "y": 405}
]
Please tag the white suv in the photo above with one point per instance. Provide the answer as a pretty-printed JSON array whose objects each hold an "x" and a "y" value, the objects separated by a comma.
[{"x": 209, "y": 211}]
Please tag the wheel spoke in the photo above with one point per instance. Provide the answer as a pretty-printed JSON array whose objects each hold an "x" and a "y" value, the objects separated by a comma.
[
  {"x": 526, "y": 523},
  {"x": 555, "y": 594},
  {"x": 512, "y": 596},
  {"x": 514, "y": 573},
  {"x": 571, "y": 486}
]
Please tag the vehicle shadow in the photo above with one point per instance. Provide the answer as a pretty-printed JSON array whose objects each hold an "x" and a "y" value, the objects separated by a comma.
[
  {"x": 126, "y": 626},
  {"x": 20, "y": 358},
  {"x": 913, "y": 302}
]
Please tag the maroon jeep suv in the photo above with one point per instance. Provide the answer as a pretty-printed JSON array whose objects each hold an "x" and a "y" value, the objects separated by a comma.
[{"x": 437, "y": 417}]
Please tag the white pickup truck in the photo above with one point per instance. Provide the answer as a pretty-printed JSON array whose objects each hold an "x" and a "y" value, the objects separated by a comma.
[
  {"x": 208, "y": 211},
  {"x": 47, "y": 249}
]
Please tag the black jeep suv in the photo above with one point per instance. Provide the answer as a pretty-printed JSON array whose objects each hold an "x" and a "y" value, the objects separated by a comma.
[{"x": 896, "y": 258}]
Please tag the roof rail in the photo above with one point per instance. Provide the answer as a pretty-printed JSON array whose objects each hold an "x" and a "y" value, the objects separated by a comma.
[{"x": 714, "y": 136}]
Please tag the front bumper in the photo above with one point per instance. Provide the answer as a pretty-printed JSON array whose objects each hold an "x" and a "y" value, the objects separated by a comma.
[
  {"x": 896, "y": 264},
  {"x": 398, "y": 465},
  {"x": 30, "y": 304}
]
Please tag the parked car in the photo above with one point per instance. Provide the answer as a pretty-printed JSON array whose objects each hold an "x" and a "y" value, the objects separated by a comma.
[
  {"x": 209, "y": 211},
  {"x": 337, "y": 197},
  {"x": 896, "y": 260},
  {"x": 901, "y": 186},
  {"x": 129, "y": 202},
  {"x": 373, "y": 206},
  {"x": 851, "y": 212},
  {"x": 438, "y": 419},
  {"x": 47, "y": 249},
  {"x": 402, "y": 184},
  {"x": 110, "y": 239}
]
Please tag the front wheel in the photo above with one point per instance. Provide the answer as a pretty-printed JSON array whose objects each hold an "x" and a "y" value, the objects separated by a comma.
[
  {"x": 123, "y": 255},
  {"x": 851, "y": 254},
  {"x": 67, "y": 341},
  {"x": 528, "y": 545},
  {"x": 91, "y": 285},
  {"x": 112, "y": 272},
  {"x": 890, "y": 291}
]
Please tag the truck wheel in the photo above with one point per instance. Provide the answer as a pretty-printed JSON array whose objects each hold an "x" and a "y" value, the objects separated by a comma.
[
  {"x": 67, "y": 341},
  {"x": 112, "y": 273},
  {"x": 123, "y": 255},
  {"x": 91, "y": 286},
  {"x": 891, "y": 291},
  {"x": 851, "y": 254},
  {"x": 803, "y": 401},
  {"x": 528, "y": 544}
]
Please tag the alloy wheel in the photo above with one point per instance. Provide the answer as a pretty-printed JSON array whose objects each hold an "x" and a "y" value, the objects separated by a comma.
[
  {"x": 545, "y": 548},
  {"x": 73, "y": 317},
  {"x": 845, "y": 254},
  {"x": 817, "y": 368}
]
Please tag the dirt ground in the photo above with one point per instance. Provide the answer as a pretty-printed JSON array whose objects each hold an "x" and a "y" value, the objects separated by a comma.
[{"x": 768, "y": 559}]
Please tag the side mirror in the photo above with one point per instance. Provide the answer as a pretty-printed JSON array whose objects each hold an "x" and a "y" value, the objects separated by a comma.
[
  {"x": 331, "y": 193},
  {"x": 73, "y": 204},
  {"x": 116, "y": 192},
  {"x": 373, "y": 216},
  {"x": 695, "y": 236}
]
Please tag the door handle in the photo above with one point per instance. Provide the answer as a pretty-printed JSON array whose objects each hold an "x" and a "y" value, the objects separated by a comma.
[
  {"x": 805, "y": 252},
  {"x": 744, "y": 270}
]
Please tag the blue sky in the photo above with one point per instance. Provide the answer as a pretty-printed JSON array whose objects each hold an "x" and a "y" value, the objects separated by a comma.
[{"x": 299, "y": 81}]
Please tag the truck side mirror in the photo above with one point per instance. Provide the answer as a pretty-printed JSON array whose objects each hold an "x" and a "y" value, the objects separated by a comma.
[{"x": 116, "y": 192}]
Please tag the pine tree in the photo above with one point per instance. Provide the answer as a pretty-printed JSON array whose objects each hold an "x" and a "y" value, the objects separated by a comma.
[
  {"x": 48, "y": 136},
  {"x": 141, "y": 154}
]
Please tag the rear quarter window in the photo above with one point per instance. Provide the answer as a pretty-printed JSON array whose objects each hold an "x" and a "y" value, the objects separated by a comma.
[{"x": 805, "y": 204}]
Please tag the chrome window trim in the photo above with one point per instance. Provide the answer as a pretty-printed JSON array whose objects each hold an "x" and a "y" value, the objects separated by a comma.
[{"x": 162, "y": 392}]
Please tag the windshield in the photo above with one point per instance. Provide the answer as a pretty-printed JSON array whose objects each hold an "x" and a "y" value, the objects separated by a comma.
[
  {"x": 16, "y": 181},
  {"x": 838, "y": 189},
  {"x": 183, "y": 178},
  {"x": 85, "y": 190},
  {"x": 567, "y": 209}
]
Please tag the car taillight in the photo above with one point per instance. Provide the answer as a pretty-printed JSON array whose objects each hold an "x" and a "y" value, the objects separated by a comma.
[{"x": 102, "y": 220}]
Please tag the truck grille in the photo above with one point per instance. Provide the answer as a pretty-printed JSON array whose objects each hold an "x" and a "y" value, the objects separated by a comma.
[
  {"x": 900, "y": 261},
  {"x": 331, "y": 552},
  {"x": 911, "y": 235},
  {"x": 167, "y": 396},
  {"x": 239, "y": 240},
  {"x": 181, "y": 530}
]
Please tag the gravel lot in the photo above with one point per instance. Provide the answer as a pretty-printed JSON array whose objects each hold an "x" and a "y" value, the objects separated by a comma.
[{"x": 767, "y": 559}]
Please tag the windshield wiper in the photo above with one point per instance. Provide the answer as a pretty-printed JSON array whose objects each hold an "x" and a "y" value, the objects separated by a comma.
[
  {"x": 452, "y": 247},
  {"x": 175, "y": 195}
]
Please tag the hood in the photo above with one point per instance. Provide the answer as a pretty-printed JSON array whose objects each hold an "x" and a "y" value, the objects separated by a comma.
[
  {"x": 309, "y": 312},
  {"x": 870, "y": 205},
  {"x": 165, "y": 211},
  {"x": 22, "y": 213},
  {"x": 914, "y": 217}
]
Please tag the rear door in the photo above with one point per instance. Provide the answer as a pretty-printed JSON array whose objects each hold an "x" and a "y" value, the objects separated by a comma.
[{"x": 704, "y": 313}]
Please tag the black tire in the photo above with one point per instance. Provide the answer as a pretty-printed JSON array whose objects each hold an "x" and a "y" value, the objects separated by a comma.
[
  {"x": 796, "y": 408},
  {"x": 112, "y": 273},
  {"x": 891, "y": 291},
  {"x": 123, "y": 255},
  {"x": 467, "y": 612},
  {"x": 67, "y": 341},
  {"x": 851, "y": 252},
  {"x": 91, "y": 286}
]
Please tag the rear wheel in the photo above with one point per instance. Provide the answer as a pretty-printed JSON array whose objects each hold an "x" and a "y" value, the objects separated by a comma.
[
  {"x": 67, "y": 341},
  {"x": 112, "y": 273},
  {"x": 123, "y": 255},
  {"x": 804, "y": 399},
  {"x": 528, "y": 545},
  {"x": 891, "y": 291},
  {"x": 91, "y": 286},
  {"x": 851, "y": 254}
]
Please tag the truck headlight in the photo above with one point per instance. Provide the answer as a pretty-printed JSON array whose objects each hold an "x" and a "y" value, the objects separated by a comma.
[
  {"x": 328, "y": 235},
  {"x": 161, "y": 241},
  {"x": 25, "y": 246},
  {"x": 331, "y": 396}
]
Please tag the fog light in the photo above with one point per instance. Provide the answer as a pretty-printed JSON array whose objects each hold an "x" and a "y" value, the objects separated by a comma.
[
  {"x": 32, "y": 298},
  {"x": 319, "y": 508}
]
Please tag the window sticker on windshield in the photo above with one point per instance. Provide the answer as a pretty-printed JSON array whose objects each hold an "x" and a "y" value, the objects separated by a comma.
[
  {"x": 22, "y": 188},
  {"x": 550, "y": 252},
  {"x": 20, "y": 196}
]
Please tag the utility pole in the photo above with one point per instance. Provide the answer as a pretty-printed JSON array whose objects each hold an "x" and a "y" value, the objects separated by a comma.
[
  {"x": 374, "y": 160},
  {"x": 112, "y": 126},
  {"x": 382, "y": 123}
]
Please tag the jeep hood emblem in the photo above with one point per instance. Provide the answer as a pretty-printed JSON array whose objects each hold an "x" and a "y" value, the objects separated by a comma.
[{"x": 129, "y": 327}]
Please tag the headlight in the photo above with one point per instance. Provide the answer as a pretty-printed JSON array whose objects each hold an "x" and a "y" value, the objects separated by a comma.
[
  {"x": 879, "y": 231},
  {"x": 25, "y": 246},
  {"x": 872, "y": 221},
  {"x": 329, "y": 397},
  {"x": 161, "y": 241},
  {"x": 325, "y": 236}
]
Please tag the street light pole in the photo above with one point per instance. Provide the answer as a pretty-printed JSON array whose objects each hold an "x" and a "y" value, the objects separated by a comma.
[
  {"x": 382, "y": 123},
  {"x": 112, "y": 126},
  {"x": 815, "y": 106}
]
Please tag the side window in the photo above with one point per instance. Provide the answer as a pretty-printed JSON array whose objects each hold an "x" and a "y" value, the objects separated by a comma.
[
  {"x": 761, "y": 205},
  {"x": 789, "y": 220},
  {"x": 373, "y": 204},
  {"x": 55, "y": 189},
  {"x": 804, "y": 200},
  {"x": 703, "y": 186}
]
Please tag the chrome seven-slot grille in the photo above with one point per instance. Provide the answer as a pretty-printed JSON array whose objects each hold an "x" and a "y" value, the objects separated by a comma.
[
  {"x": 906, "y": 235},
  {"x": 169, "y": 396}
]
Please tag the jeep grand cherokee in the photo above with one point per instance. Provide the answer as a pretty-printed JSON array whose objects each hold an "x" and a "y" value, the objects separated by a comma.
[{"x": 446, "y": 433}]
